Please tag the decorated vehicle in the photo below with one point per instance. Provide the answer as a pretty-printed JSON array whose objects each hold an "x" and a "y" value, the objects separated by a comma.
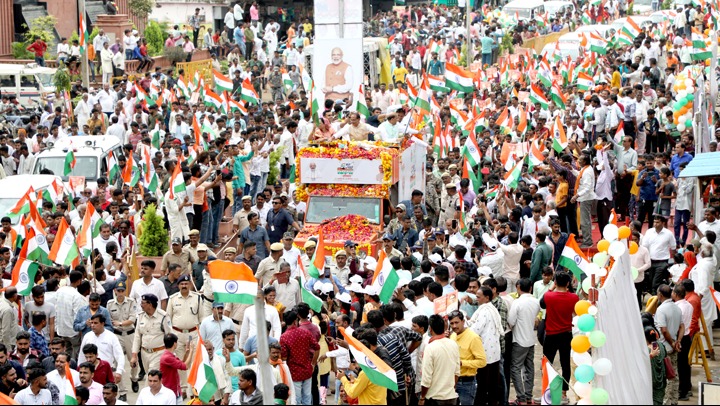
[{"x": 351, "y": 189}]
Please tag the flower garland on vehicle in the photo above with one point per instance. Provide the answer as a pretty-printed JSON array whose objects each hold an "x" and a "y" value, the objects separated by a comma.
[
  {"x": 344, "y": 150},
  {"x": 342, "y": 228}
]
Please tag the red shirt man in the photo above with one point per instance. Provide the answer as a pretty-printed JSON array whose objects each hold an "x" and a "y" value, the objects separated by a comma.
[
  {"x": 38, "y": 48},
  {"x": 298, "y": 349},
  {"x": 169, "y": 366},
  {"x": 694, "y": 301}
]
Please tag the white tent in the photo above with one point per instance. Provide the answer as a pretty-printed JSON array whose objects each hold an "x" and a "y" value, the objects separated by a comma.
[{"x": 618, "y": 317}]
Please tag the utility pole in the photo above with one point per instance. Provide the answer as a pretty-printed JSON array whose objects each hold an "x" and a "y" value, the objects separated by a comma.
[
  {"x": 84, "y": 63},
  {"x": 468, "y": 55}
]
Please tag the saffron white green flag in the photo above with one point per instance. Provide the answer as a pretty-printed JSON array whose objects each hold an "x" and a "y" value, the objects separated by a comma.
[
  {"x": 386, "y": 279},
  {"x": 23, "y": 274},
  {"x": 232, "y": 282},
  {"x": 202, "y": 376},
  {"x": 551, "y": 384},
  {"x": 69, "y": 384},
  {"x": 377, "y": 371},
  {"x": 308, "y": 297},
  {"x": 573, "y": 258},
  {"x": 65, "y": 250},
  {"x": 457, "y": 78}
]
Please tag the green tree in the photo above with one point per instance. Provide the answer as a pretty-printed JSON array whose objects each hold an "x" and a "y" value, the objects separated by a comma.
[
  {"x": 42, "y": 27},
  {"x": 274, "y": 174},
  {"x": 155, "y": 36},
  {"x": 154, "y": 238},
  {"x": 141, "y": 8}
]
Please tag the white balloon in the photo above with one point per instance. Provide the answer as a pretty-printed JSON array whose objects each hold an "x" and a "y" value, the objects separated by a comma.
[
  {"x": 690, "y": 90},
  {"x": 583, "y": 390},
  {"x": 602, "y": 272},
  {"x": 584, "y": 401},
  {"x": 687, "y": 116},
  {"x": 681, "y": 127},
  {"x": 681, "y": 94},
  {"x": 616, "y": 249},
  {"x": 602, "y": 366},
  {"x": 575, "y": 320},
  {"x": 610, "y": 232},
  {"x": 592, "y": 269},
  {"x": 689, "y": 83},
  {"x": 581, "y": 359},
  {"x": 593, "y": 310}
]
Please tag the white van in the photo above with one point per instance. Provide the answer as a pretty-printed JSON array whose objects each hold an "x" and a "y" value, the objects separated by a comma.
[
  {"x": 91, "y": 157},
  {"x": 27, "y": 82},
  {"x": 559, "y": 7},
  {"x": 13, "y": 188},
  {"x": 525, "y": 9}
]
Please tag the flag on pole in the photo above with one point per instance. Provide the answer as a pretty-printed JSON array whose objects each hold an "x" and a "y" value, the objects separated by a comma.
[
  {"x": 584, "y": 81},
  {"x": 70, "y": 398},
  {"x": 573, "y": 258},
  {"x": 377, "y": 371},
  {"x": 131, "y": 173},
  {"x": 232, "y": 282},
  {"x": 620, "y": 132},
  {"x": 385, "y": 279},
  {"x": 308, "y": 296},
  {"x": 457, "y": 78},
  {"x": 512, "y": 177},
  {"x": 177, "y": 182},
  {"x": 537, "y": 96},
  {"x": 551, "y": 384},
  {"x": 222, "y": 82},
  {"x": 65, "y": 250},
  {"x": 69, "y": 163},
  {"x": 535, "y": 157},
  {"x": 361, "y": 105},
  {"x": 37, "y": 247},
  {"x": 317, "y": 265},
  {"x": 83, "y": 34},
  {"x": 472, "y": 151},
  {"x": 24, "y": 271},
  {"x": 248, "y": 93},
  {"x": 469, "y": 174},
  {"x": 202, "y": 376},
  {"x": 560, "y": 141}
]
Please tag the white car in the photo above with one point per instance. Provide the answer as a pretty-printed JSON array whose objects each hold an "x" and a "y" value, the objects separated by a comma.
[
  {"x": 565, "y": 48},
  {"x": 558, "y": 7},
  {"x": 13, "y": 188},
  {"x": 91, "y": 157},
  {"x": 606, "y": 31},
  {"x": 663, "y": 15}
]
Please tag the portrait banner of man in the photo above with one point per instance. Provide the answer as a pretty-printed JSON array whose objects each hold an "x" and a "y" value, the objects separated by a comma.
[{"x": 341, "y": 60}]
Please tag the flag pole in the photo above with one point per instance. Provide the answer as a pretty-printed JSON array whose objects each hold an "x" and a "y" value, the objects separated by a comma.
[
  {"x": 85, "y": 64},
  {"x": 263, "y": 359}
]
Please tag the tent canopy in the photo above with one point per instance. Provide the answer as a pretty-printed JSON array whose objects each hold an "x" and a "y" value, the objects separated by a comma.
[{"x": 705, "y": 164}]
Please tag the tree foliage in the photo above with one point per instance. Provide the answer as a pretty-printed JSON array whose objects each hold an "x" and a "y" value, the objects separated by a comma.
[
  {"x": 154, "y": 238},
  {"x": 155, "y": 36},
  {"x": 141, "y": 8}
]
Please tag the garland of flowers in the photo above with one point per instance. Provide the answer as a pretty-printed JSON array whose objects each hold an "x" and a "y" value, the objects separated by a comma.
[{"x": 344, "y": 150}]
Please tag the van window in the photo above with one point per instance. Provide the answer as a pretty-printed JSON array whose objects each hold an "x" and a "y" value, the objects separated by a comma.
[
  {"x": 28, "y": 81},
  {"x": 7, "y": 81}
]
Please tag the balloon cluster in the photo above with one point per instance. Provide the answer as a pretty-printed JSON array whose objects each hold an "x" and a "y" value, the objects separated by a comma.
[
  {"x": 685, "y": 95},
  {"x": 613, "y": 244}
]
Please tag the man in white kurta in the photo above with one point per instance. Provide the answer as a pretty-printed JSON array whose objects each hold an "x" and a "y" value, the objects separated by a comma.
[{"x": 702, "y": 275}]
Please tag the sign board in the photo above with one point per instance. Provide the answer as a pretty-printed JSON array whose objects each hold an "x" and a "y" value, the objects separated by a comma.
[
  {"x": 412, "y": 171},
  {"x": 345, "y": 171},
  {"x": 77, "y": 184},
  {"x": 446, "y": 304}
]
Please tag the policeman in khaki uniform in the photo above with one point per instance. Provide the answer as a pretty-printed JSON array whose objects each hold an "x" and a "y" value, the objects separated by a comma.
[
  {"x": 208, "y": 296},
  {"x": 152, "y": 325},
  {"x": 184, "y": 311},
  {"x": 123, "y": 313}
]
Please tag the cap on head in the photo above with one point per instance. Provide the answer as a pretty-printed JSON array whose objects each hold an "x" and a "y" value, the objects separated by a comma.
[
  {"x": 276, "y": 247},
  {"x": 121, "y": 286},
  {"x": 176, "y": 241}
]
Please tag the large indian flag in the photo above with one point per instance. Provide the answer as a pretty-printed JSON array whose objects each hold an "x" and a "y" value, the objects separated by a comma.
[
  {"x": 573, "y": 258},
  {"x": 513, "y": 176},
  {"x": 65, "y": 250},
  {"x": 551, "y": 384},
  {"x": 537, "y": 96},
  {"x": 201, "y": 376},
  {"x": 232, "y": 282},
  {"x": 23, "y": 274},
  {"x": 385, "y": 278},
  {"x": 377, "y": 371},
  {"x": 457, "y": 78},
  {"x": 248, "y": 93},
  {"x": 584, "y": 81},
  {"x": 177, "y": 182}
]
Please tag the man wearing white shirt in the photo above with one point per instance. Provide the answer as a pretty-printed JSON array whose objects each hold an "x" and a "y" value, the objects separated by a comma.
[
  {"x": 155, "y": 393},
  {"x": 57, "y": 376},
  {"x": 238, "y": 13},
  {"x": 116, "y": 129},
  {"x": 702, "y": 276},
  {"x": 108, "y": 345},
  {"x": 63, "y": 50},
  {"x": 229, "y": 21},
  {"x": 68, "y": 304},
  {"x": 107, "y": 98},
  {"x": 249, "y": 325},
  {"x": 487, "y": 324},
  {"x": 292, "y": 56},
  {"x": 36, "y": 393},
  {"x": 82, "y": 110},
  {"x": 710, "y": 223},
  {"x": 661, "y": 243},
  {"x": 521, "y": 317},
  {"x": 585, "y": 194}
]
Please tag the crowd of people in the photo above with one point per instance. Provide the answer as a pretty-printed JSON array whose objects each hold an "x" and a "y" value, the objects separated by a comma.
[{"x": 490, "y": 225}]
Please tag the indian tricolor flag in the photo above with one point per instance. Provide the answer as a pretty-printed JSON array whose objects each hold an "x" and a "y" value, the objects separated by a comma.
[
  {"x": 469, "y": 174},
  {"x": 308, "y": 296},
  {"x": 85, "y": 233},
  {"x": 437, "y": 84},
  {"x": 212, "y": 99},
  {"x": 377, "y": 371},
  {"x": 113, "y": 167},
  {"x": 537, "y": 96},
  {"x": 65, "y": 250},
  {"x": 385, "y": 278},
  {"x": 317, "y": 265},
  {"x": 512, "y": 177},
  {"x": 457, "y": 78},
  {"x": 597, "y": 44},
  {"x": 69, "y": 163},
  {"x": 551, "y": 384},
  {"x": 584, "y": 81},
  {"x": 535, "y": 157},
  {"x": 22, "y": 206},
  {"x": 361, "y": 105},
  {"x": 232, "y": 282},
  {"x": 177, "y": 182},
  {"x": 573, "y": 258},
  {"x": 557, "y": 96},
  {"x": 202, "y": 376},
  {"x": 422, "y": 101},
  {"x": 560, "y": 141},
  {"x": 472, "y": 150},
  {"x": 620, "y": 133},
  {"x": 23, "y": 274},
  {"x": 222, "y": 82},
  {"x": 69, "y": 384},
  {"x": 131, "y": 173},
  {"x": 631, "y": 28},
  {"x": 37, "y": 247},
  {"x": 248, "y": 93}
]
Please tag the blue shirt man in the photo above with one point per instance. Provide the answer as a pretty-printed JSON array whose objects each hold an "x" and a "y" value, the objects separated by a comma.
[
  {"x": 679, "y": 157},
  {"x": 647, "y": 178},
  {"x": 83, "y": 315}
]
